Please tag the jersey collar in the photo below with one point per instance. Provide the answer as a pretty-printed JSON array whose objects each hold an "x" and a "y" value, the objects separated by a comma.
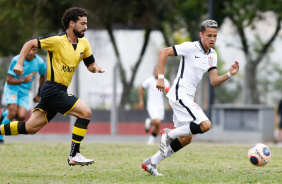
[
  {"x": 68, "y": 37},
  {"x": 201, "y": 45}
]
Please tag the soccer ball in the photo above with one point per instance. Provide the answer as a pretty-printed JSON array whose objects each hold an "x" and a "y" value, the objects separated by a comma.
[{"x": 259, "y": 154}]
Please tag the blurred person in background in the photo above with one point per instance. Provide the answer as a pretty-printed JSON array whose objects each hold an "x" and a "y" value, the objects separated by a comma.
[
  {"x": 280, "y": 122},
  {"x": 65, "y": 52},
  {"x": 189, "y": 119},
  {"x": 155, "y": 104},
  {"x": 16, "y": 89}
]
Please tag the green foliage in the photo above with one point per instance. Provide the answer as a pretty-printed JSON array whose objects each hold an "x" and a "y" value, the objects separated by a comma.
[
  {"x": 45, "y": 162},
  {"x": 28, "y": 19}
]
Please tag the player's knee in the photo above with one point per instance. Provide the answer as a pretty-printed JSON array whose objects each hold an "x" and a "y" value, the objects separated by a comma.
[
  {"x": 86, "y": 114},
  {"x": 157, "y": 122},
  {"x": 21, "y": 117},
  {"x": 12, "y": 113},
  {"x": 205, "y": 126}
]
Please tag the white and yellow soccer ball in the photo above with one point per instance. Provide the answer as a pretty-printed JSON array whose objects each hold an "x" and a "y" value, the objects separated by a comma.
[{"x": 259, "y": 154}]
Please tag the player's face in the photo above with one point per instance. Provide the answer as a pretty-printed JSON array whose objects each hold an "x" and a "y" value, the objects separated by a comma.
[
  {"x": 30, "y": 56},
  {"x": 80, "y": 27},
  {"x": 208, "y": 38}
]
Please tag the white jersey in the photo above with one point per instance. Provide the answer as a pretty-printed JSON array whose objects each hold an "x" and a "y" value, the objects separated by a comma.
[
  {"x": 195, "y": 61},
  {"x": 154, "y": 96}
]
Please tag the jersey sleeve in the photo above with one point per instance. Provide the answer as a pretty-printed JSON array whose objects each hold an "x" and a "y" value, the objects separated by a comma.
[
  {"x": 212, "y": 61},
  {"x": 182, "y": 49},
  {"x": 13, "y": 63},
  {"x": 88, "y": 51},
  {"x": 49, "y": 42},
  {"x": 41, "y": 66}
]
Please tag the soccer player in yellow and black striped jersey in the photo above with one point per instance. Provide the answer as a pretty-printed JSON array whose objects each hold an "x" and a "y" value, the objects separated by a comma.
[{"x": 65, "y": 51}]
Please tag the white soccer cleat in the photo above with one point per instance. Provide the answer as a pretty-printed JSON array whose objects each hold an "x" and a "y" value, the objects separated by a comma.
[
  {"x": 78, "y": 159},
  {"x": 150, "y": 168},
  {"x": 147, "y": 124},
  {"x": 165, "y": 141}
]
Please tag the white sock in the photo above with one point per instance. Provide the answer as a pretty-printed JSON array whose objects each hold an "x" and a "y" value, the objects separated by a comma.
[
  {"x": 151, "y": 139},
  {"x": 155, "y": 159},
  {"x": 180, "y": 131}
]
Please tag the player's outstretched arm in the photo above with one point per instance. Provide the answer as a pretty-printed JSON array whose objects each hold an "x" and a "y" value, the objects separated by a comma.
[
  {"x": 18, "y": 68},
  {"x": 217, "y": 80},
  {"x": 163, "y": 55},
  {"x": 94, "y": 68},
  {"x": 141, "y": 100}
]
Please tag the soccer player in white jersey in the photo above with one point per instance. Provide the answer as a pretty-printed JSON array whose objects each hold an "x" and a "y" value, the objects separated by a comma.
[
  {"x": 196, "y": 58},
  {"x": 155, "y": 104}
]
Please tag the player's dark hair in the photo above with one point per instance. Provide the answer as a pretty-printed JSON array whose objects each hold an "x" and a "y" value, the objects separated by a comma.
[
  {"x": 208, "y": 24},
  {"x": 73, "y": 14}
]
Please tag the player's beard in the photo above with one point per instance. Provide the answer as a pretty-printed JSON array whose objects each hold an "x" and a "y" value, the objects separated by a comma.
[{"x": 78, "y": 34}]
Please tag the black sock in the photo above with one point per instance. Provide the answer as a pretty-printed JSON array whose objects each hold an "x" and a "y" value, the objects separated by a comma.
[
  {"x": 195, "y": 129},
  {"x": 78, "y": 133},
  {"x": 175, "y": 145},
  {"x": 74, "y": 148},
  {"x": 154, "y": 134},
  {"x": 13, "y": 128}
]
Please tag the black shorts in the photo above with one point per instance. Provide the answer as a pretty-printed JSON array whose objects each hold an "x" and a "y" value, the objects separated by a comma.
[{"x": 55, "y": 98}]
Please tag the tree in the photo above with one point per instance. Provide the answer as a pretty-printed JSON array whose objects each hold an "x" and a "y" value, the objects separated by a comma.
[
  {"x": 244, "y": 14},
  {"x": 147, "y": 15},
  {"x": 24, "y": 20}
]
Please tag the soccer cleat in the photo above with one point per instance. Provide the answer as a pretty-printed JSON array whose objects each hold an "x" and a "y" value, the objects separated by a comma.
[
  {"x": 165, "y": 141},
  {"x": 150, "y": 168},
  {"x": 2, "y": 141},
  {"x": 78, "y": 159},
  {"x": 147, "y": 124}
]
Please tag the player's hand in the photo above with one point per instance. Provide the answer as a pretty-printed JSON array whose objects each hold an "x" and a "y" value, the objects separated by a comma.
[
  {"x": 28, "y": 78},
  {"x": 36, "y": 98},
  {"x": 141, "y": 105},
  {"x": 160, "y": 85},
  {"x": 18, "y": 69},
  {"x": 234, "y": 68},
  {"x": 98, "y": 69}
]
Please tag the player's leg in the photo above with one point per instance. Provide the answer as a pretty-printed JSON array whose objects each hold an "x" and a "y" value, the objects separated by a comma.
[
  {"x": 83, "y": 114},
  {"x": 147, "y": 124},
  {"x": 33, "y": 125},
  {"x": 21, "y": 113},
  {"x": 188, "y": 118},
  {"x": 152, "y": 138},
  {"x": 156, "y": 114},
  {"x": 280, "y": 131},
  {"x": 8, "y": 117},
  {"x": 175, "y": 145},
  {"x": 23, "y": 105}
]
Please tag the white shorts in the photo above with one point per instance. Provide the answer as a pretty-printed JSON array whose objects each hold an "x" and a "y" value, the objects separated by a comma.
[
  {"x": 156, "y": 112},
  {"x": 186, "y": 111}
]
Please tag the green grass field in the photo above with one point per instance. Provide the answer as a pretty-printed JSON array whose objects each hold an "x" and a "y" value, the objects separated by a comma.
[{"x": 43, "y": 162}]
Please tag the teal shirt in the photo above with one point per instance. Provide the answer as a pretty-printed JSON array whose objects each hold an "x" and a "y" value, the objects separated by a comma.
[{"x": 35, "y": 66}]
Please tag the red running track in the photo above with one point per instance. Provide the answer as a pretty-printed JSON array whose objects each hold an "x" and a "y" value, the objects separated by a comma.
[{"x": 101, "y": 128}]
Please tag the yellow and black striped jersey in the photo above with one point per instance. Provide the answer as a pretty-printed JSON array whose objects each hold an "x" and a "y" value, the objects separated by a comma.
[{"x": 63, "y": 57}]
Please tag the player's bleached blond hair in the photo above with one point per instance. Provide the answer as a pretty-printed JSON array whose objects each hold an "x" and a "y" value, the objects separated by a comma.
[{"x": 208, "y": 24}]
